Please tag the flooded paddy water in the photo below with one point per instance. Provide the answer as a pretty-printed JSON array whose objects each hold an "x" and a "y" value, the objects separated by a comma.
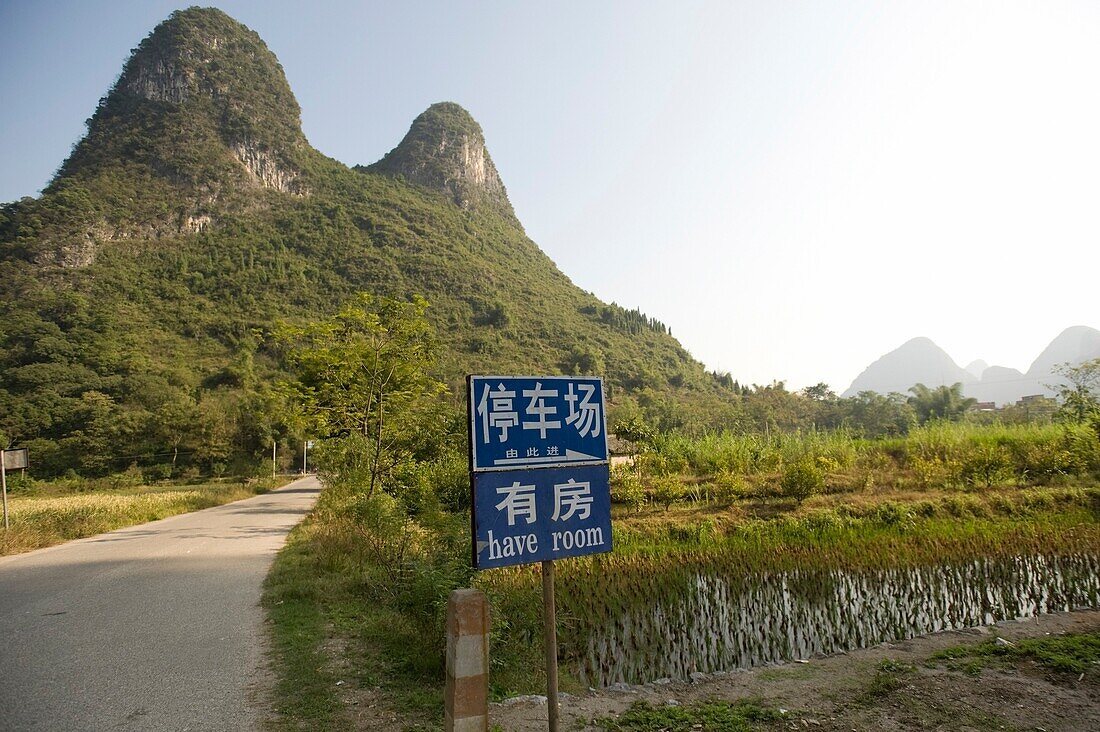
[{"x": 722, "y": 622}]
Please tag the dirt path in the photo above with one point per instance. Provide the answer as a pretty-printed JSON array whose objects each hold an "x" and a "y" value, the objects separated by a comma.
[{"x": 851, "y": 692}]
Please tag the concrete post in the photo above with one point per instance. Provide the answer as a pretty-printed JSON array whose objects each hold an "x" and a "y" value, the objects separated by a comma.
[{"x": 466, "y": 706}]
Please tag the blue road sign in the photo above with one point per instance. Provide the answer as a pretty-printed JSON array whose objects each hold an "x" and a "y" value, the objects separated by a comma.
[
  {"x": 536, "y": 422},
  {"x": 523, "y": 516}
]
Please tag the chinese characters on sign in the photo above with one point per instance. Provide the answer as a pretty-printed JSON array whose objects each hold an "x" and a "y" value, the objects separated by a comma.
[
  {"x": 520, "y": 501},
  {"x": 536, "y": 421},
  {"x": 539, "y": 468}
]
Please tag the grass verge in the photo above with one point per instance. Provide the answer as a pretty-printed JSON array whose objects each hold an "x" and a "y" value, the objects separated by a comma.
[
  {"x": 887, "y": 679},
  {"x": 356, "y": 601},
  {"x": 714, "y": 716},
  {"x": 295, "y": 597},
  {"x": 1072, "y": 653}
]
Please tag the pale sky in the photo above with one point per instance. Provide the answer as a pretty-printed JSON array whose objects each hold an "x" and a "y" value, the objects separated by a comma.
[{"x": 794, "y": 188}]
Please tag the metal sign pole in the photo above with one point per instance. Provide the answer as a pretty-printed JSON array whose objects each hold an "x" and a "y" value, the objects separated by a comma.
[
  {"x": 4, "y": 481},
  {"x": 273, "y": 444},
  {"x": 550, "y": 643}
]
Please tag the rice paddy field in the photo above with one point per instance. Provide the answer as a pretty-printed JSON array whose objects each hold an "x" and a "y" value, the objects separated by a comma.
[
  {"x": 43, "y": 514},
  {"x": 730, "y": 551}
]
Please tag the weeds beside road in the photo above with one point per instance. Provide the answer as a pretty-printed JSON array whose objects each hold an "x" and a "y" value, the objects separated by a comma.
[
  {"x": 44, "y": 514},
  {"x": 357, "y": 597}
]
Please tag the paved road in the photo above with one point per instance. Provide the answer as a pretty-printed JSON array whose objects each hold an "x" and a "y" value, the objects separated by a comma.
[{"x": 154, "y": 627}]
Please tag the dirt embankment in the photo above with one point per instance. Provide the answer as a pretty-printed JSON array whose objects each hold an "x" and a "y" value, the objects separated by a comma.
[{"x": 892, "y": 686}]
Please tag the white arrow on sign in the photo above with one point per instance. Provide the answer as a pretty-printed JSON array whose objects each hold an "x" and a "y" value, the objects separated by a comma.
[{"x": 570, "y": 455}]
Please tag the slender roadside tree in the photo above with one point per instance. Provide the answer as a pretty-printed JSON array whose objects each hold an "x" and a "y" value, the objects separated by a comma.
[{"x": 364, "y": 385}]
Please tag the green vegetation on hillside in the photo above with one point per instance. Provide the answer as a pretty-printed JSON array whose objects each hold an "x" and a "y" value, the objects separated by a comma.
[{"x": 138, "y": 294}]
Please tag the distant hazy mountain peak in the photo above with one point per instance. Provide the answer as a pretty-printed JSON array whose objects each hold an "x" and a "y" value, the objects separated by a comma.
[
  {"x": 976, "y": 368},
  {"x": 918, "y": 360},
  {"x": 1073, "y": 345}
]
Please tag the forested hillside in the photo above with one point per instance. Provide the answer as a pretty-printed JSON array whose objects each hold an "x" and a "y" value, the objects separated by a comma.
[{"x": 139, "y": 291}]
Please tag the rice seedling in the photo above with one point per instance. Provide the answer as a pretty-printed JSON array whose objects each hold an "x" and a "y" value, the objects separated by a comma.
[
  {"x": 675, "y": 599},
  {"x": 713, "y": 568}
]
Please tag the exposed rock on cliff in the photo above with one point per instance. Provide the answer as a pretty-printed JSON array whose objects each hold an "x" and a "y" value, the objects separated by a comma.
[
  {"x": 445, "y": 151},
  {"x": 266, "y": 168},
  {"x": 201, "y": 111}
]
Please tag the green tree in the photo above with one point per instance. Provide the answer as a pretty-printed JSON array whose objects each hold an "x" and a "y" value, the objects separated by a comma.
[
  {"x": 819, "y": 392},
  {"x": 1081, "y": 396},
  {"x": 582, "y": 360},
  {"x": 96, "y": 442},
  {"x": 364, "y": 385},
  {"x": 943, "y": 402},
  {"x": 174, "y": 421},
  {"x": 876, "y": 415},
  {"x": 772, "y": 407}
]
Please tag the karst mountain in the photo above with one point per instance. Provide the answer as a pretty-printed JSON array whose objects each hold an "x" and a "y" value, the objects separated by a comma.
[{"x": 137, "y": 292}]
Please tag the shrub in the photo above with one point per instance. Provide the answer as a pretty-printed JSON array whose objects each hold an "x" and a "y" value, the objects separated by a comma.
[
  {"x": 697, "y": 533},
  {"x": 667, "y": 492},
  {"x": 801, "y": 480},
  {"x": 626, "y": 488},
  {"x": 156, "y": 473},
  {"x": 443, "y": 481},
  {"x": 986, "y": 465},
  {"x": 729, "y": 486},
  {"x": 891, "y": 514},
  {"x": 1040, "y": 463},
  {"x": 128, "y": 478}
]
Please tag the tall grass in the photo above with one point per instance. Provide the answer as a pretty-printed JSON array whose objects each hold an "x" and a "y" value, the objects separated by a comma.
[
  {"x": 372, "y": 577},
  {"x": 42, "y": 515},
  {"x": 937, "y": 456},
  {"x": 375, "y": 573},
  {"x": 971, "y": 455},
  {"x": 749, "y": 453}
]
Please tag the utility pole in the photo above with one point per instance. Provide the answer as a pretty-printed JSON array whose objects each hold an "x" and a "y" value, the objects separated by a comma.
[
  {"x": 4, "y": 481},
  {"x": 305, "y": 449}
]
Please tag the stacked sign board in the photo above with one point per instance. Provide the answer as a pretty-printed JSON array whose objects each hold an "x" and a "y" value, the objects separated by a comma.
[
  {"x": 539, "y": 470},
  {"x": 14, "y": 459}
]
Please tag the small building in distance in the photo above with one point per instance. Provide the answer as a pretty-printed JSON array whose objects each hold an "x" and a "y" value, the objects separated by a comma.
[{"x": 1037, "y": 405}]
